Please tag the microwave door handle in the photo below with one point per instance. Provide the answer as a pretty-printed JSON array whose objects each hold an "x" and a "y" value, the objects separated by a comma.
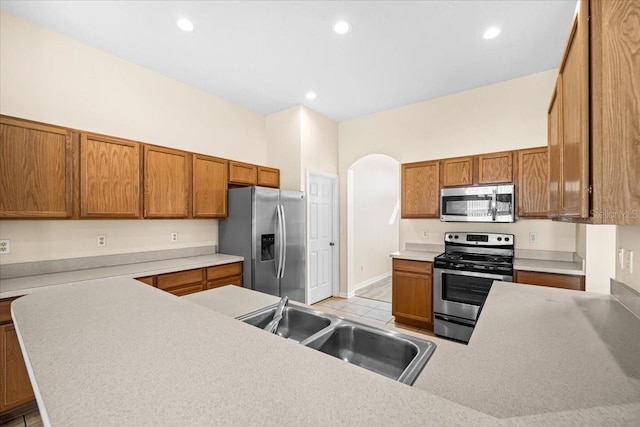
[{"x": 494, "y": 205}]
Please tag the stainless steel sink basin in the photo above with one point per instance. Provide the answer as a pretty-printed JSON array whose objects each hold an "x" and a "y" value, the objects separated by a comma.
[
  {"x": 298, "y": 323},
  {"x": 397, "y": 356}
]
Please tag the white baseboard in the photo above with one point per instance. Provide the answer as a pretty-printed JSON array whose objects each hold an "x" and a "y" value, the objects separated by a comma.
[
  {"x": 371, "y": 281},
  {"x": 347, "y": 294}
]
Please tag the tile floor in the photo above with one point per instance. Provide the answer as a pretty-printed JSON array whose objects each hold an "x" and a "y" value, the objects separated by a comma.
[
  {"x": 32, "y": 419},
  {"x": 376, "y": 313}
]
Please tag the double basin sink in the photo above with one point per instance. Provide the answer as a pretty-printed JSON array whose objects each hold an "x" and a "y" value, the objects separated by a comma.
[{"x": 397, "y": 356}]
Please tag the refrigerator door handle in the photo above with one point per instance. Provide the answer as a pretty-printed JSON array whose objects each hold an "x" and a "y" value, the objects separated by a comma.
[
  {"x": 284, "y": 242},
  {"x": 278, "y": 243},
  {"x": 280, "y": 240}
]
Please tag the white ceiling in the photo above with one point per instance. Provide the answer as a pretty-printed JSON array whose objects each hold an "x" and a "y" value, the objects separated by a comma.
[{"x": 266, "y": 55}]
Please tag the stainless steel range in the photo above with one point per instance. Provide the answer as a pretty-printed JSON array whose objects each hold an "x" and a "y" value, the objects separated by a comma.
[{"x": 462, "y": 278}]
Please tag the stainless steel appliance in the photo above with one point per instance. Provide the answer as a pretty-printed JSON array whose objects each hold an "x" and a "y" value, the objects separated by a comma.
[
  {"x": 491, "y": 203},
  {"x": 267, "y": 227},
  {"x": 462, "y": 278}
]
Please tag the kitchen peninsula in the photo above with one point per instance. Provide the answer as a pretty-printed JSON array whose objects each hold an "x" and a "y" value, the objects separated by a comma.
[{"x": 113, "y": 351}]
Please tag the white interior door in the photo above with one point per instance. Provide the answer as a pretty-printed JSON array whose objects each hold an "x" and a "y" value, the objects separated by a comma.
[{"x": 321, "y": 236}]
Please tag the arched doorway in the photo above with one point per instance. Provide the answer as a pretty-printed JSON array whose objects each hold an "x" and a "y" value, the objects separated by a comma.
[{"x": 373, "y": 213}]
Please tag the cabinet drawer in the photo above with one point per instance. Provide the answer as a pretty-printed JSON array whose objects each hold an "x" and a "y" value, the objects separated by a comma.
[
  {"x": 5, "y": 310},
  {"x": 186, "y": 290},
  {"x": 225, "y": 270},
  {"x": 235, "y": 280},
  {"x": 423, "y": 267},
  {"x": 147, "y": 280},
  {"x": 565, "y": 281},
  {"x": 172, "y": 280}
]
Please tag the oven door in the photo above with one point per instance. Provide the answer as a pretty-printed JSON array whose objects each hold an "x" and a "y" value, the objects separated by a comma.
[{"x": 462, "y": 293}]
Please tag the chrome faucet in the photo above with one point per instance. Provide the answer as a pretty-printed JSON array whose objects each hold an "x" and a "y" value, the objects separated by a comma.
[{"x": 277, "y": 316}]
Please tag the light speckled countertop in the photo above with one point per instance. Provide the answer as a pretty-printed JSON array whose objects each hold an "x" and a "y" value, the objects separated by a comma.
[
  {"x": 526, "y": 264},
  {"x": 25, "y": 285},
  {"x": 114, "y": 352}
]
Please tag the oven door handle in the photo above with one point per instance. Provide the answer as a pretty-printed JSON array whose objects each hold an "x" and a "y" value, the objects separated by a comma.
[{"x": 473, "y": 274}]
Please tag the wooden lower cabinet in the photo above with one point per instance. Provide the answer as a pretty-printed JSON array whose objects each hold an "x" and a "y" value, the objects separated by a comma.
[
  {"x": 565, "y": 281},
  {"x": 226, "y": 274},
  {"x": 15, "y": 387},
  {"x": 412, "y": 292},
  {"x": 190, "y": 281}
]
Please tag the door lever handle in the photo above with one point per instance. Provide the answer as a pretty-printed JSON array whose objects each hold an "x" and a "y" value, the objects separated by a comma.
[{"x": 331, "y": 244}]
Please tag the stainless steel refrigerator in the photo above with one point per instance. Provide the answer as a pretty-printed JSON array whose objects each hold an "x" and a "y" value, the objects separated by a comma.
[{"x": 267, "y": 227}]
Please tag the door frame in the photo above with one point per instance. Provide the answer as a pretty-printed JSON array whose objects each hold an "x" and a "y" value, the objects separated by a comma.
[{"x": 335, "y": 232}]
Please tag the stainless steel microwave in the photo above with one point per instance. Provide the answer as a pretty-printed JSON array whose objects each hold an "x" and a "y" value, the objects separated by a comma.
[{"x": 490, "y": 203}]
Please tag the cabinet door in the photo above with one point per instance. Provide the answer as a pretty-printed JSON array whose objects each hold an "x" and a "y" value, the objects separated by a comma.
[
  {"x": 495, "y": 168},
  {"x": 209, "y": 187},
  {"x": 574, "y": 128},
  {"x": 412, "y": 292},
  {"x": 421, "y": 190},
  {"x": 268, "y": 177},
  {"x": 15, "y": 387},
  {"x": 533, "y": 183},
  {"x": 110, "y": 175},
  {"x": 167, "y": 182},
  {"x": 555, "y": 151},
  {"x": 233, "y": 280},
  {"x": 458, "y": 171},
  {"x": 36, "y": 170},
  {"x": 615, "y": 110},
  {"x": 243, "y": 173}
]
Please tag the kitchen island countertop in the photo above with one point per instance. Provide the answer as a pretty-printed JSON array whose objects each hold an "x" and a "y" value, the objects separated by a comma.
[{"x": 115, "y": 351}]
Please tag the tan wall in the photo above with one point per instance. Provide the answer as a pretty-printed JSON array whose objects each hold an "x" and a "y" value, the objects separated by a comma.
[
  {"x": 504, "y": 116},
  {"x": 628, "y": 237},
  {"x": 283, "y": 146},
  {"x": 319, "y": 144},
  {"x": 48, "y": 77}
]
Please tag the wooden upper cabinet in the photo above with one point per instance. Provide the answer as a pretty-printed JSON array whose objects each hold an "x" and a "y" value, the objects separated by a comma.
[
  {"x": 495, "y": 168},
  {"x": 209, "y": 187},
  {"x": 615, "y": 110},
  {"x": 421, "y": 190},
  {"x": 243, "y": 173},
  {"x": 110, "y": 176},
  {"x": 533, "y": 183},
  {"x": 268, "y": 177},
  {"x": 36, "y": 170},
  {"x": 457, "y": 171},
  {"x": 167, "y": 182},
  {"x": 555, "y": 152},
  {"x": 574, "y": 128}
]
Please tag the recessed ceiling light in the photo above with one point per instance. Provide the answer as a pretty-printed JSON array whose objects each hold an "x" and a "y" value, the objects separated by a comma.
[
  {"x": 342, "y": 27},
  {"x": 491, "y": 33},
  {"x": 311, "y": 95},
  {"x": 184, "y": 24}
]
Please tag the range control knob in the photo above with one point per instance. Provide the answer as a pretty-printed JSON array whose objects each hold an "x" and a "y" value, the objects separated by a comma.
[
  {"x": 455, "y": 237},
  {"x": 499, "y": 239},
  {"x": 506, "y": 239},
  {"x": 450, "y": 236}
]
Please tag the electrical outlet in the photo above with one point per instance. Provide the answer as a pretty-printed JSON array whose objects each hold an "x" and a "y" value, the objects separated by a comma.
[
  {"x": 630, "y": 261},
  {"x": 425, "y": 234},
  {"x": 361, "y": 268},
  {"x": 621, "y": 258},
  {"x": 533, "y": 237},
  {"x": 101, "y": 241},
  {"x": 174, "y": 237},
  {"x": 5, "y": 246}
]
